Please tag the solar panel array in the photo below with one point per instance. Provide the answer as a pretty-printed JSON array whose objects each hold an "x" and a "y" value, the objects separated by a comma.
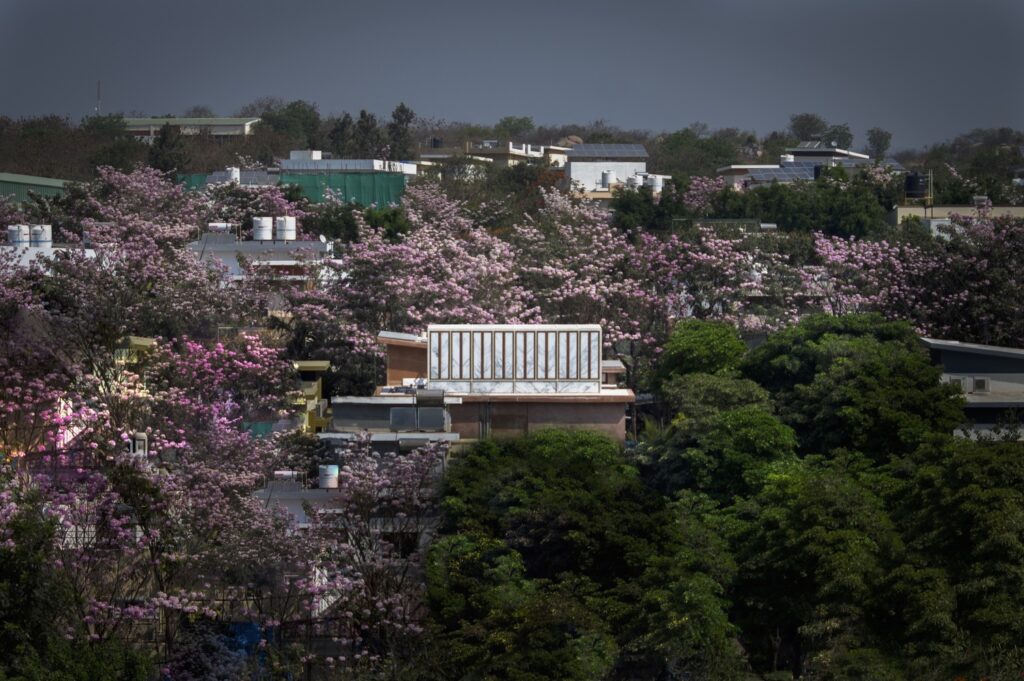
[
  {"x": 608, "y": 151},
  {"x": 784, "y": 174}
]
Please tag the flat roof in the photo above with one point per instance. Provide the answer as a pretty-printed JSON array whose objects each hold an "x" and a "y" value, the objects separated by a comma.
[
  {"x": 973, "y": 348},
  {"x": 311, "y": 364},
  {"x": 611, "y": 366},
  {"x": 174, "y": 120},
  {"x": 407, "y": 340}
]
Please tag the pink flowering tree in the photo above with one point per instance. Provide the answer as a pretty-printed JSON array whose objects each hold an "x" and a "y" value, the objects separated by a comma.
[{"x": 445, "y": 269}]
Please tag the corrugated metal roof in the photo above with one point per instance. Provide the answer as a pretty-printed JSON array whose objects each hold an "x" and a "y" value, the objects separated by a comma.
[
  {"x": 32, "y": 179},
  {"x": 583, "y": 151}
]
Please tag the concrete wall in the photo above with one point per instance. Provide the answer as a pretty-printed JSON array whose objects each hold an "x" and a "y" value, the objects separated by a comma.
[
  {"x": 588, "y": 173},
  {"x": 406, "y": 362}
]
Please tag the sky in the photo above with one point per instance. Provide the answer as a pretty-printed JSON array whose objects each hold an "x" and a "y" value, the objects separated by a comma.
[{"x": 926, "y": 70}]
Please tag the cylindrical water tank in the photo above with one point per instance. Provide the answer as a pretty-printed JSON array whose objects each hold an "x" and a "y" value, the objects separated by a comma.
[
  {"x": 285, "y": 228},
  {"x": 45, "y": 236},
  {"x": 329, "y": 476},
  {"x": 263, "y": 229},
  {"x": 234, "y": 175},
  {"x": 219, "y": 227},
  {"x": 19, "y": 235},
  {"x": 655, "y": 182},
  {"x": 607, "y": 178}
]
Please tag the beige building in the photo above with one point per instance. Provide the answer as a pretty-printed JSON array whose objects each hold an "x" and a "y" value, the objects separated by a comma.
[
  {"x": 901, "y": 213},
  {"x": 218, "y": 127}
]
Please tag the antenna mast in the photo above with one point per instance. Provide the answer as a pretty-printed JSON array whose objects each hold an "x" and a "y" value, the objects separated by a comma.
[{"x": 98, "y": 99}]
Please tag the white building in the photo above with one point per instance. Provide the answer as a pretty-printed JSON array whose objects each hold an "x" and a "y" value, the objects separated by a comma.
[
  {"x": 312, "y": 162},
  {"x": 273, "y": 246},
  {"x": 800, "y": 163},
  {"x": 27, "y": 244}
]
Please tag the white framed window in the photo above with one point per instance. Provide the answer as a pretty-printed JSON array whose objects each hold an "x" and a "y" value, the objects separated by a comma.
[
  {"x": 957, "y": 381},
  {"x": 981, "y": 384}
]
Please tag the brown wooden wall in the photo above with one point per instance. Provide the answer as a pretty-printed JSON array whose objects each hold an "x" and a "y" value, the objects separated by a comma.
[{"x": 406, "y": 362}]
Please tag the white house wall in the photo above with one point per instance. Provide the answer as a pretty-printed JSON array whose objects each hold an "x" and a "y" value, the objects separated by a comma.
[{"x": 588, "y": 173}]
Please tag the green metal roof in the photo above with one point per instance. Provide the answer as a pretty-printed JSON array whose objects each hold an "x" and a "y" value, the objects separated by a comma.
[
  {"x": 18, "y": 186},
  {"x": 191, "y": 121},
  {"x": 33, "y": 180}
]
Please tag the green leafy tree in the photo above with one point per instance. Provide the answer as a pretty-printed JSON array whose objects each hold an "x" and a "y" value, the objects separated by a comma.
[
  {"x": 807, "y": 126},
  {"x": 704, "y": 346},
  {"x": 340, "y": 135},
  {"x": 299, "y": 121},
  {"x": 959, "y": 595},
  {"x": 169, "y": 151},
  {"x": 856, "y": 381},
  {"x": 513, "y": 127},
  {"x": 553, "y": 555},
  {"x": 838, "y": 136},
  {"x": 728, "y": 454},
  {"x": 879, "y": 141},
  {"x": 400, "y": 139},
  {"x": 813, "y": 547},
  {"x": 368, "y": 139}
]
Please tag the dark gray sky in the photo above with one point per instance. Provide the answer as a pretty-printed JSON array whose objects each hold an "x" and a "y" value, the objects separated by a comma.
[{"x": 924, "y": 69}]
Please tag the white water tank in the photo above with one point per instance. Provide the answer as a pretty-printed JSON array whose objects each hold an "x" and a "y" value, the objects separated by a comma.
[
  {"x": 608, "y": 178},
  {"x": 634, "y": 180},
  {"x": 285, "y": 228},
  {"x": 234, "y": 175},
  {"x": 787, "y": 158},
  {"x": 40, "y": 236},
  {"x": 219, "y": 227},
  {"x": 655, "y": 182},
  {"x": 328, "y": 477},
  {"x": 263, "y": 229},
  {"x": 286, "y": 475},
  {"x": 19, "y": 235}
]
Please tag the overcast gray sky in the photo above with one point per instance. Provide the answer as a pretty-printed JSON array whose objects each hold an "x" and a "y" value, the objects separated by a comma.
[{"x": 924, "y": 69}]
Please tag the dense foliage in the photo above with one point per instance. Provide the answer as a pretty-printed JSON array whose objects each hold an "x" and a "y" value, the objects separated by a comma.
[{"x": 799, "y": 509}]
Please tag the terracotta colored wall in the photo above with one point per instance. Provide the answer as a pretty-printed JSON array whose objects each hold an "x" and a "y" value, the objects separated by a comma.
[
  {"x": 465, "y": 420},
  {"x": 511, "y": 419},
  {"x": 607, "y": 418},
  {"x": 406, "y": 362}
]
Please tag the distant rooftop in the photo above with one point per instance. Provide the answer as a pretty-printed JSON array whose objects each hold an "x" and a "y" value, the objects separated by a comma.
[
  {"x": 15, "y": 178},
  {"x": 174, "y": 120},
  {"x": 819, "y": 148},
  {"x": 604, "y": 151},
  {"x": 974, "y": 348}
]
